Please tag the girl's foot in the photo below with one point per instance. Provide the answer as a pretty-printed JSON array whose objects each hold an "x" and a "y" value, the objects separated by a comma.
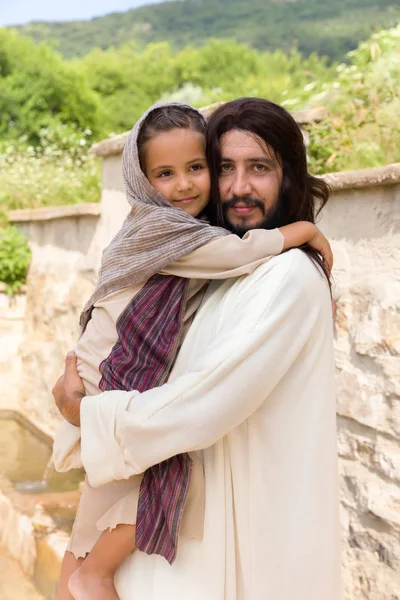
[{"x": 91, "y": 586}]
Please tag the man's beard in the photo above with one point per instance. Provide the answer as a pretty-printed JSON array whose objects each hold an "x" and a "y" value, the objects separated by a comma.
[{"x": 269, "y": 221}]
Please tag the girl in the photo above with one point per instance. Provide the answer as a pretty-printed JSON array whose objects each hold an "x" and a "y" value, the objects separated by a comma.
[{"x": 151, "y": 283}]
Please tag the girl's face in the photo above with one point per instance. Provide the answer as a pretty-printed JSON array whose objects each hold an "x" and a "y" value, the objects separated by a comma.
[{"x": 175, "y": 164}]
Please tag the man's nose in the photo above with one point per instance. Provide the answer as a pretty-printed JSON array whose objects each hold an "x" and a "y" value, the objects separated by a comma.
[{"x": 241, "y": 185}]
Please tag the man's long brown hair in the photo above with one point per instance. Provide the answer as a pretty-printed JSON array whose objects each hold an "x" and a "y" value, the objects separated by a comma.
[{"x": 302, "y": 195}]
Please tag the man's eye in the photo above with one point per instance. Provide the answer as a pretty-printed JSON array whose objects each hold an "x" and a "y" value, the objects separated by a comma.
[
  {"x": 259, "y": 168},
  {"x": 226, "y": 168}
]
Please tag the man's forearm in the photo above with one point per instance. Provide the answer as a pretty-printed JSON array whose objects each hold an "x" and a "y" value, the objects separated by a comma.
[
  {"x": 71, "y": 410},
  {"x": 225, "y": 386}
]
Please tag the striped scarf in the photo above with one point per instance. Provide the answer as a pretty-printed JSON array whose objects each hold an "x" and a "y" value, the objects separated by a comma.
[
  {"x": 154, "y": 234},
  {"x": 149, "y": 331}
]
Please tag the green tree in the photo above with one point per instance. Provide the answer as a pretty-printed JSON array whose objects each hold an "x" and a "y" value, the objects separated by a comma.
[
  {"x": 127, "y": 80},
  {"x": 38, "y": 89}
]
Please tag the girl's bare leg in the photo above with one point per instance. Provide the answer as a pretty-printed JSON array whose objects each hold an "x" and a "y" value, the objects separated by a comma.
[
  {"x": 94, "y": 579},
  {"x": 69, "y": 565}
]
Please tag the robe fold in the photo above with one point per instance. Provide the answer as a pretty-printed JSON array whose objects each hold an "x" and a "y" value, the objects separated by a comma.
[{"x": 252, "y": 393}]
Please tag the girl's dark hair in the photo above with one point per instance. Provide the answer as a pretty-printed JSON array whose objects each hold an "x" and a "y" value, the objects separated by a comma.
[
  {"x": 166, "y": 118},
  {"x": 302, "y": 195}
]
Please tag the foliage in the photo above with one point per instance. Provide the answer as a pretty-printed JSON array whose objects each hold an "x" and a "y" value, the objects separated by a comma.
[
  {"x": 38, "y": 89},
  {"x": 363, "y": 128},
  {"x": 329, "y": 28},
  {"x": 46, "y": 130},
  {"x": 60, "y": 170},
  {"x": 129, "y": 80},
  {"x": 45, "y": 161},
  {"x": 15, "y": 257}
]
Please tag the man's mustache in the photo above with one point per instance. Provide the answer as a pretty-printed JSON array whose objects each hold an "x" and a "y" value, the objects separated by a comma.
[{"x": 243, "y": 200}]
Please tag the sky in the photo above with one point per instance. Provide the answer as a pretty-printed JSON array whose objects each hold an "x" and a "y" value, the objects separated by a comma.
[{"x": 17, "y": 12}]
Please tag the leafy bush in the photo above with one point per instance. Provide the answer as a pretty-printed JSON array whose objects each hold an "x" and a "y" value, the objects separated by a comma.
[
  {"x": 15, "y": 257},
  {"x": 363, "y": 128},
  {"x": 60, "y": 170}
]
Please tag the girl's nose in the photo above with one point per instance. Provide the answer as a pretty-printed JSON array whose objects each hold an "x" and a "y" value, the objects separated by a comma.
[{"x": 184, "y": 182}]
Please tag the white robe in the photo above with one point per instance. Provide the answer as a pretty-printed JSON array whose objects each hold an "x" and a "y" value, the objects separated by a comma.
[{"x": 252, "y": 392}]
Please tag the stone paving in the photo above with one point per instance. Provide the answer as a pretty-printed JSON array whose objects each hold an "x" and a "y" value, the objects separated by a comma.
[{"x": 14, "y": 585}]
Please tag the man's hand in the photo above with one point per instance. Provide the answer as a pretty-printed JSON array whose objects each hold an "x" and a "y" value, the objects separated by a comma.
[
  {"x": 333, "y": 308},
  {"x": 69, "y": 391}
]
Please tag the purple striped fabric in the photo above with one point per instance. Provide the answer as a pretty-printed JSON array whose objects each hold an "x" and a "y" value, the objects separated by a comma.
[{"x": 149, "y": 331}]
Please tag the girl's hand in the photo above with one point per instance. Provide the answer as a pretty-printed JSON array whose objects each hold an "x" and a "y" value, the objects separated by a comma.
[
  {"x": 304, "y": 232},
  {"x": 320, "y": 243}
]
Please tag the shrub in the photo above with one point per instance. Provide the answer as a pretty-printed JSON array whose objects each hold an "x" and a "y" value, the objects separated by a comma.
[
  {"x": 363, "y": 127},
  {"x": 15, "y": 257},
  {"x": 60, "y": 170}
]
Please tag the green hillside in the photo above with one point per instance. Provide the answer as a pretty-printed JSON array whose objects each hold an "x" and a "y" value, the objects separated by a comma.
[{"x": 328, "y": 27}]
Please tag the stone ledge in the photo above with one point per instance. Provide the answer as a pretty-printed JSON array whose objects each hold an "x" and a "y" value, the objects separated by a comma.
[
  {"x": 115, "y": 145},
  {"x": 112, "y": 147},
  {"x": 363, "y": 178},
  {"x": 29, "y": 424},
  {"x": 311, "y": 115},
  {"x": 55, "y": 212}
]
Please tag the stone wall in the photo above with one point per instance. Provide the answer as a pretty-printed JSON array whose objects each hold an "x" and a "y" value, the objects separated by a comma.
[
  {"x": 12, "y": 326},
  {"x": 364, "y": 225},
  {"x": 363, "y": 221},
  {"x": 65, "y": 243}
]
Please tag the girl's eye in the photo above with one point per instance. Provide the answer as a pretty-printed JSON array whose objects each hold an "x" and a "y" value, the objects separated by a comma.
[
  {"x": 197, "y": 167},
  {"x": 165, "y": 174},
  {"x": 259, "y": 168},
  {"x": 226, "y": 168}
]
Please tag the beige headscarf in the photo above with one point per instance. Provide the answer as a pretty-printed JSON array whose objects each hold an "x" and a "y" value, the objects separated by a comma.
[{"x": 154, "y": 234}]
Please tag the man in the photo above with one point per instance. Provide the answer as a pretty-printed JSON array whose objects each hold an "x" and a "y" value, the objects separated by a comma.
[{"x": 251, "y": 392}]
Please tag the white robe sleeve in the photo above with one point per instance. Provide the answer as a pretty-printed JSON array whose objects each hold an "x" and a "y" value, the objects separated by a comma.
[
  {"x": 67, "y": 448},
  {"x": 268, "y": 325}
]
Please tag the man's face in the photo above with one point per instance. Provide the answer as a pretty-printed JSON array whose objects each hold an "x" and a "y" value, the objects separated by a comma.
[{"x": 249, "y": 183}]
